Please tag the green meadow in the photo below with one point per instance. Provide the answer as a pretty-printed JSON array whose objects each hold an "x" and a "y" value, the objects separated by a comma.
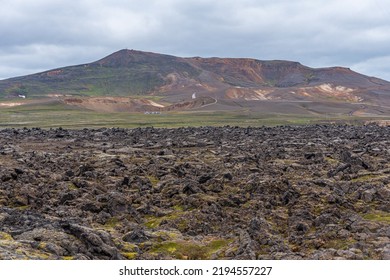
[{"x": 59, "y": 115}]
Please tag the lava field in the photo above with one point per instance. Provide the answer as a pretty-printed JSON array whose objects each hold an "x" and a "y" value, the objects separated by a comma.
[{"x": 287, "y": 192}]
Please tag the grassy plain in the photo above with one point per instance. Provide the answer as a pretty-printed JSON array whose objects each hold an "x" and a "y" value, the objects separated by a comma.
[{"x": 60, "y": 115}]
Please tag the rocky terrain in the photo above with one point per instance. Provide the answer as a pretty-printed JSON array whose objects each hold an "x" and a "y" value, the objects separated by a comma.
[{"x": 310, "y": 192}]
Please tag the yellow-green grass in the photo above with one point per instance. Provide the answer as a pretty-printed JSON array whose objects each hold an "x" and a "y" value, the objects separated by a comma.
[
  {"x": 60, "y": 115},
  {"x": 190, "y": 250},
  {"x": 378, "y": 216}
]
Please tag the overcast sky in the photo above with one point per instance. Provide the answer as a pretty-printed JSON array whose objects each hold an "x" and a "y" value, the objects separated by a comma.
[{"x": 37, "y": 35}]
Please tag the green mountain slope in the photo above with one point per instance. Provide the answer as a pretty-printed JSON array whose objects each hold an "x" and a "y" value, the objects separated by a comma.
[
  {"x": 123, "y": 73},
  {"x": 130, "y": 73}
]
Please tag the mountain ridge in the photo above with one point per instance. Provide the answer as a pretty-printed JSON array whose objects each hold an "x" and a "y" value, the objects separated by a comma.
[{"x": 177, "y": 80}]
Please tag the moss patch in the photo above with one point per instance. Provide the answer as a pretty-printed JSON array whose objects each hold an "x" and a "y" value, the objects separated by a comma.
[
  {"x": 153, "y": 180},
  {"x": 130, "y": 255},
  {"x": 189, "y": 250},
  {"x": 5, "y": 236},
  {"x": 331, "y": 160},
  {"x": 340, "y": 244},
  {"x": 181, "y": 250},
  {"x": 378, "y": 216},
  {"x": 72, "y": 187},
  {"x": 366, "y": 177},
  {"x": 216, "y": 245},
  {"x": 154, "y": 222},
  {"x": 178, "y": 208},
  {"x": 167, "y": 235},
  {"x": 111, "y": 223}
]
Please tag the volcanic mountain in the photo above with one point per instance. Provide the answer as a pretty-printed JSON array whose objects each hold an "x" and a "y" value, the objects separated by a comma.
[{"x": 126, "y": 80}]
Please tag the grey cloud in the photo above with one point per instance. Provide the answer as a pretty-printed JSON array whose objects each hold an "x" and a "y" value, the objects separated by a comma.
[{"x": 47, "y": 34}]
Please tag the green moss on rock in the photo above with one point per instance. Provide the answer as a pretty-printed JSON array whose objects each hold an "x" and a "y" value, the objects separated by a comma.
[
  {"x": 378, "y": 216},
  {"x": 5, "y": 236}
]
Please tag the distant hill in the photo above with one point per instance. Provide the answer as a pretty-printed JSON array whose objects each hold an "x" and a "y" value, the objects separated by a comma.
[{"x": 219, "y": 83}]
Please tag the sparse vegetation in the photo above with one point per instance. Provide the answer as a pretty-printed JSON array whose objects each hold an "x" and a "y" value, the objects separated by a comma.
[
  {"x": 188, "y": 250},
  {"x": 378, "y": 216}
]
